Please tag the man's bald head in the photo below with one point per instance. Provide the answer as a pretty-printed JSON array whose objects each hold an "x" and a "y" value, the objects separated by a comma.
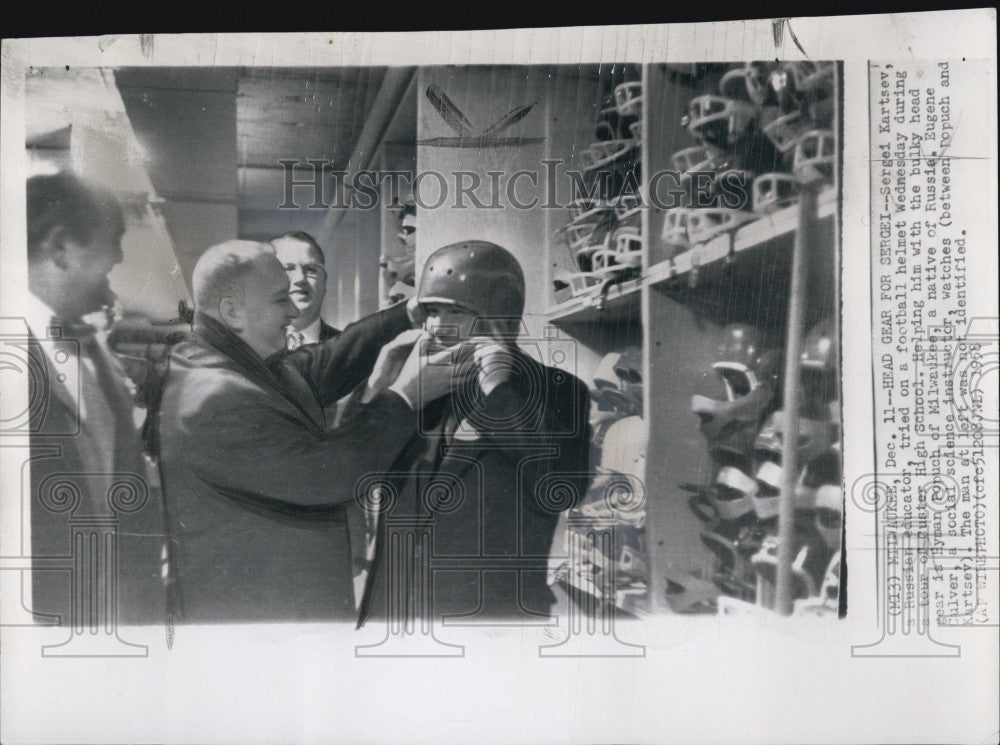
[
  {"x": 222, "y": 271},
  {"x": 242, "y": 284}
]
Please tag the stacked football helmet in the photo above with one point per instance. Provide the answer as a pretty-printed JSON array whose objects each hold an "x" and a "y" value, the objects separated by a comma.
[
  {"x": 398, "y": 263},
  {"x": 602, "y": 235},
  {"x": 614, "y": 544},
  {"x": 748, "y": 370},
  {"x": 804, "y": 100}
]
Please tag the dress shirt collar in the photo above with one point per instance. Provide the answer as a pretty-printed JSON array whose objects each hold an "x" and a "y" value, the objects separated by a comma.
[{"x": 310, "y": 334}]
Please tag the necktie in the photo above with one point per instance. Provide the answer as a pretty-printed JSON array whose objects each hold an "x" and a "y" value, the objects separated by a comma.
[
  {"x": 294, "y": 340},
  {"x": 97, "y": 397}
]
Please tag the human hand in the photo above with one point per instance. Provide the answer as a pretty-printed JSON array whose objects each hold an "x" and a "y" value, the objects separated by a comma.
[
  {"x": 416, "y": 313},
  {"x": 389, "y": 363},
  {"x": 427, "y": 373},
  {"x": 494, "y": 363}
]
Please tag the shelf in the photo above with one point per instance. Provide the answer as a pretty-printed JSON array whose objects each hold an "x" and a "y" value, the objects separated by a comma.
[
  {"x": 620, "y": 300},
  {"x": 750, "y": 235},
  {"x": 632, "y": 600}
]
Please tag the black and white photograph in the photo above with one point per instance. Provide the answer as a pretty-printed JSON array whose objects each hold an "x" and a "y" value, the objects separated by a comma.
[{"x": 358, "y": 371}]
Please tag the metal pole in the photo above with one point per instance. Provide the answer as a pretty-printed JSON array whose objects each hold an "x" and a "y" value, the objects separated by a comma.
[{"x": 790, "y": 401}]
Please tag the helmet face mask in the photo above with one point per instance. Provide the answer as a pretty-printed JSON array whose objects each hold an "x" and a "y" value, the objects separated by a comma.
[
  {"x": 718, "y": 121},
  {"x": 748, "y": 82},
  {"x": 739, "y": 380},
  {"x": 697, "y": 158},
  {"x": 774, "y": 191}
]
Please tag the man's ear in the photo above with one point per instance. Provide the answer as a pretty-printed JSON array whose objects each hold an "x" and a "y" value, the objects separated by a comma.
[
  {"x": 231, "y": 312},
  {"x": 53, "y": 246}
]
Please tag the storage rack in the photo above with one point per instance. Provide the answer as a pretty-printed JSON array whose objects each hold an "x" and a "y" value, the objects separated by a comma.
[{"x": 673, "y": 309}]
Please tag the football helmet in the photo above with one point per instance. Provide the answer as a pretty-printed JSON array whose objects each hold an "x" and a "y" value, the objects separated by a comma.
[
  {"x": 730, "y": 427},
  {"x": 604, "y": 500},
  {"x": 731, "y": 493},
  {"x": 635, "y": 129},
  {"x": 626, "y": 207},
  {"x": 718, "y": 121},
  {"x": 697, "y": 158},
  {"x": 748, "y": 82},
  {"x": 621, "y": 176},
  {"x": 628, "y": 246},
  {"x": 605, "y": 152},
  {"x": 820, "y": 361},
  {"x": 820, "y": 351},
  {"x": 610, "y": 124},
  {"x": 809, "y": 77},
  {"x": 732, "y": 572},
  {"x": 628, "y": 98},
  {"x": 689, "y": 594},
  {"x": 827, "y": 601},
  {"x": 773, "y": 192},
  {"x": 706, "y": 223},
  {"x": 815, "y": 155},
  {"x": 749, "y": 372},
  {"x": 765, "y": 563},
  {"x": 629, "y": 371},
  {"x": 815, "y": 437},
  {"x": 624, "y": 449},
  {"x": 829, "y": 514},
  {"x": 588, "y": 209},
  {"x": 605, "y": 261},
  {"x": 675, "y": 227},
  {"x": 742, "y": 348},
  {"x": 477, "y": 275},
  {"x": 822, "y": 470},
  {"x": 619, "y": 552},
  {"x": 628, "y": 367},
  {"x": 605, "y": 375},
  {"x": 578, "y": 283},
  {"x": 786, "y": 129}
]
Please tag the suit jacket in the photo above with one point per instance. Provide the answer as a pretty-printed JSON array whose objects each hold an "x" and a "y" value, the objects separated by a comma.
[
  {"x": 488, "y": 477},
  {"x": 326, "y": 331},
  {"x": 256, "y": 483},
  {"x": 76, "y": 509}
]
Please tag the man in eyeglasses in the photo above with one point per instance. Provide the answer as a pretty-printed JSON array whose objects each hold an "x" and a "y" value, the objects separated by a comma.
[{"x": 305, "y": 265}]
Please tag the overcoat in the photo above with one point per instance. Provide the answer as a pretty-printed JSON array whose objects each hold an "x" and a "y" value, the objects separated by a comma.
[
  {"x": 256, "y": 482},
  {"x": 478, "y": 492}
]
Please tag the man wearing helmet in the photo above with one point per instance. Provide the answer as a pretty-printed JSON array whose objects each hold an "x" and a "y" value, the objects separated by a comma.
[{"x": 475, "y": 476}]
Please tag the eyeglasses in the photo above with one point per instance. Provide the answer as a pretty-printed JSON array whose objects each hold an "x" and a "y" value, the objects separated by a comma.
[{"x": 309, "y": 271}]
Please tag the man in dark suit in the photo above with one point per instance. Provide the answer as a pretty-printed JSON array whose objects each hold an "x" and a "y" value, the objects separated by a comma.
[
  {"x": 90, "y": 487},
  {"x": 255, "y": 480},
  {"x": 305, "y": 265},
  {"x": 494, "y": 463}
]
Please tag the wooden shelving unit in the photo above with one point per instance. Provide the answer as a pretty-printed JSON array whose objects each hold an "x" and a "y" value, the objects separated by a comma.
[
  {"x": 674, "y": 309},
  {"x": 620, "y": 300},
  {"x": 750, "y": 236}
]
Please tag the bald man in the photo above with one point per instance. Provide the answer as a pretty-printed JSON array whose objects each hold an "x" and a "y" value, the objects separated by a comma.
[{"x": 255, "y": 480}]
